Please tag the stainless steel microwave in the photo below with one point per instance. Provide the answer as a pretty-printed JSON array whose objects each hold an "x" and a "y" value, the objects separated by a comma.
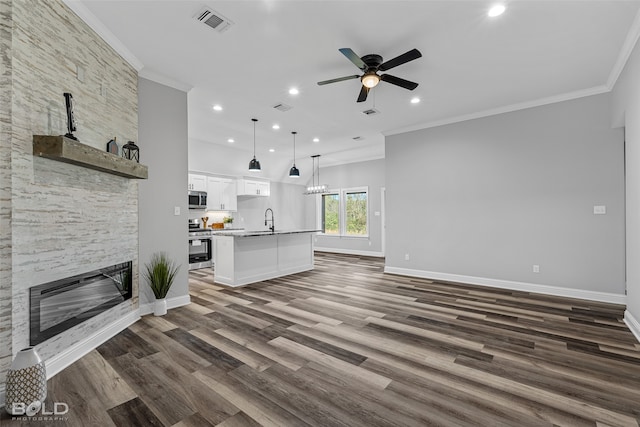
[{"x": 197, "y": 199}]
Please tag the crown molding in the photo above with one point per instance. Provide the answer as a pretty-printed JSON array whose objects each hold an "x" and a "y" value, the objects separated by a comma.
[
  {"x": 501, "y": 110},
  {"x": 145, "y": 73},
  {"x": 625, "y": 52}
]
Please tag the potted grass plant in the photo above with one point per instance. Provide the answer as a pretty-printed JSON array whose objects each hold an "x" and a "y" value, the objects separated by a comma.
[{"x": 160, "y": 273}]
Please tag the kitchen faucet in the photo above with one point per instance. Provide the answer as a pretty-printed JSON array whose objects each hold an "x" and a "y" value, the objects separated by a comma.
[{"x": 273, "y": 225}]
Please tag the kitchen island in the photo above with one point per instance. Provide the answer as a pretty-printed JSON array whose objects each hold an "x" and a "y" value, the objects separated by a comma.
[{"x": 244, "y": 257}]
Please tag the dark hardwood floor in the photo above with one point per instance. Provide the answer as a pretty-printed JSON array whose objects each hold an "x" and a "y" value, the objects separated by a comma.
[{"x": 347, "y": 345}]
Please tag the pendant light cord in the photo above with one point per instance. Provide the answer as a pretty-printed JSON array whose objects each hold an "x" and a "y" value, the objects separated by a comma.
[{"x": 254, "y": 137}]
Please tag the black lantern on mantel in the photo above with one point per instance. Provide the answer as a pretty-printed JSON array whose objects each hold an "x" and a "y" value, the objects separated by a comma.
[{"x": 131, "y": 151}]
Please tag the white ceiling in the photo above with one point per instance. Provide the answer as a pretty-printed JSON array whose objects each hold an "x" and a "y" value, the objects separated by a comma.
[{"x": 472, "y": 65}]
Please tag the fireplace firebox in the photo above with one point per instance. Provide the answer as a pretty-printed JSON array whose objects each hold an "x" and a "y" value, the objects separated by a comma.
[{"x": 59, "y": 305}]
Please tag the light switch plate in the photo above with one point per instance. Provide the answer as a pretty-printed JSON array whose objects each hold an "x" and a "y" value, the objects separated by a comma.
[
  {"x": 600, "y": 210},
  {"x": 176, "y": 210}
]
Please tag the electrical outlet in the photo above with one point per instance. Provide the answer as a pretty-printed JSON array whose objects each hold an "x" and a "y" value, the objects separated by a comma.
[
  {"x": 406, "y": 257},
  {"x": 103, "y": 90},
  {"x": 536, "y": 268}
]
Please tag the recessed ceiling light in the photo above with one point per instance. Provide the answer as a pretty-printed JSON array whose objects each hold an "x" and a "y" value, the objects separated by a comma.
[
  {"x": 415, "y": 100},
  {"x": 272, "y": 150},
  {"x": 316, "y": 139},
  {"x": 496, "y": 10},
  {"x": 294, "y": 91},
  {"x": 217, "y": 107},
  {"x": 231, "y": 140},
  {"x": 275, "y": 126}
]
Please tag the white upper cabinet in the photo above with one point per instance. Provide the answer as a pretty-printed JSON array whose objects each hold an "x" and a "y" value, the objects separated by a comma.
[
  {"x": 197, "y": 182},
  {"x": 249, "y": 187},
  {"x": 221, "y": 194}
]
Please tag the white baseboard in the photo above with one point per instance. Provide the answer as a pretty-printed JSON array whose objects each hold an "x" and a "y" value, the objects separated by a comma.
[
  {"x": 516, "y": 286},
  {"x": 263, "y": 276},
  {"x": 633, "y": 324},
  {"x": 350, "y": 252},
  {"x": 171, "y": 303},
  {"x": 60, "y": 361}
]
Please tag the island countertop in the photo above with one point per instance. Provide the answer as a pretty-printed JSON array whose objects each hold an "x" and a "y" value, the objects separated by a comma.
[
  {"x": 254, "y": 233},
  {"x": 243, "y": 257}
]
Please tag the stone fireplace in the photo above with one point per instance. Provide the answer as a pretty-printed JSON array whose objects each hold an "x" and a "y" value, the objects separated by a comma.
[{"x": 61, "y": 220}]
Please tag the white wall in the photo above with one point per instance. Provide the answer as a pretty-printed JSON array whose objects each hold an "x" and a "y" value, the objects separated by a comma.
[
  {"x": 162, "y": 113},
  {"x": 291, "y": 209},
  {"x": 484, "y": 200},
  {"x": 626, "y": 112},
  {"x": 369, "y": 174}
]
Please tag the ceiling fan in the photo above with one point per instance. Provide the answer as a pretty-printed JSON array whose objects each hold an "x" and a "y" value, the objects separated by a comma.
[{"x": 371, "y": 65}]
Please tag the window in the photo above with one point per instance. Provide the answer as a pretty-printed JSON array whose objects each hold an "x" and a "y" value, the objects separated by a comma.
[
  {"x": 345, "y": 213},
  {"x": 331, "y": 213},
  {"x": 355, "y": 218}
]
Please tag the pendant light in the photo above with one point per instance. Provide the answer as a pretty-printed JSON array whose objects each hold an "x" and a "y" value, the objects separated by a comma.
[
  {"x": 316, "y": 188},
  {"x": 254, "y": 164},
  {"x": 294, "y": 172}
]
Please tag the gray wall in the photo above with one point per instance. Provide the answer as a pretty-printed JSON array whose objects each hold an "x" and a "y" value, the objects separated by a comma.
[
  {"x": 163, "y": 147},
  {"x": 372, "y": 175},
  {"x": 626, "y": 112},
  {"x": 489, "y": 198}
]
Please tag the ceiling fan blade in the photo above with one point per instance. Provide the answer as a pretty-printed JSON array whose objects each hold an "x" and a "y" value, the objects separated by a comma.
[
  {"x": 398, "y": 81},
  {"x": 399, "y": 60},
  {"x": 363, "y": 94},
  {"x": 339, "y": 79},
  {"x": 351, "y": 56}
]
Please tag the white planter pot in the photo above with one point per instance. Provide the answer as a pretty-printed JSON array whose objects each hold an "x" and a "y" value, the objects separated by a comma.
[
  {"x": 26, "y": 386},
  {"x": 160, "y": 307}
]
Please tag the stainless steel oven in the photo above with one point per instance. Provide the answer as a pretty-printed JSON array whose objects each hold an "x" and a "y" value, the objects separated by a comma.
[{"x": 200, "y": 249}]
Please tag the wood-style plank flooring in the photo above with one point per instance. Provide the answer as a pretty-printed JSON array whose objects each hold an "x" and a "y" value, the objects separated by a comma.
[{"x": 347, "y": 345}]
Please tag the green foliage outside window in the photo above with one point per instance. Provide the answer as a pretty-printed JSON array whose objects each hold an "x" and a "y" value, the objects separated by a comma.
[
  {"x": 356, "y": 213},
  {"x": 331, "y": 213},
  {"x": 350, "y": 207}
]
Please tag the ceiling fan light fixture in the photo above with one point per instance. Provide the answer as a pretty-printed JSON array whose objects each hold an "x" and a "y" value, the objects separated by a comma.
[{"x": 370, "y": 80}]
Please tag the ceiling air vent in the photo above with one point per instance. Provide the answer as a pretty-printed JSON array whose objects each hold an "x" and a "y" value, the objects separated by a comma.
[
  {"x": 214, "y": 20},
  {"x": 371, "y": 112},
  {"x": 282, "y": 107}
]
